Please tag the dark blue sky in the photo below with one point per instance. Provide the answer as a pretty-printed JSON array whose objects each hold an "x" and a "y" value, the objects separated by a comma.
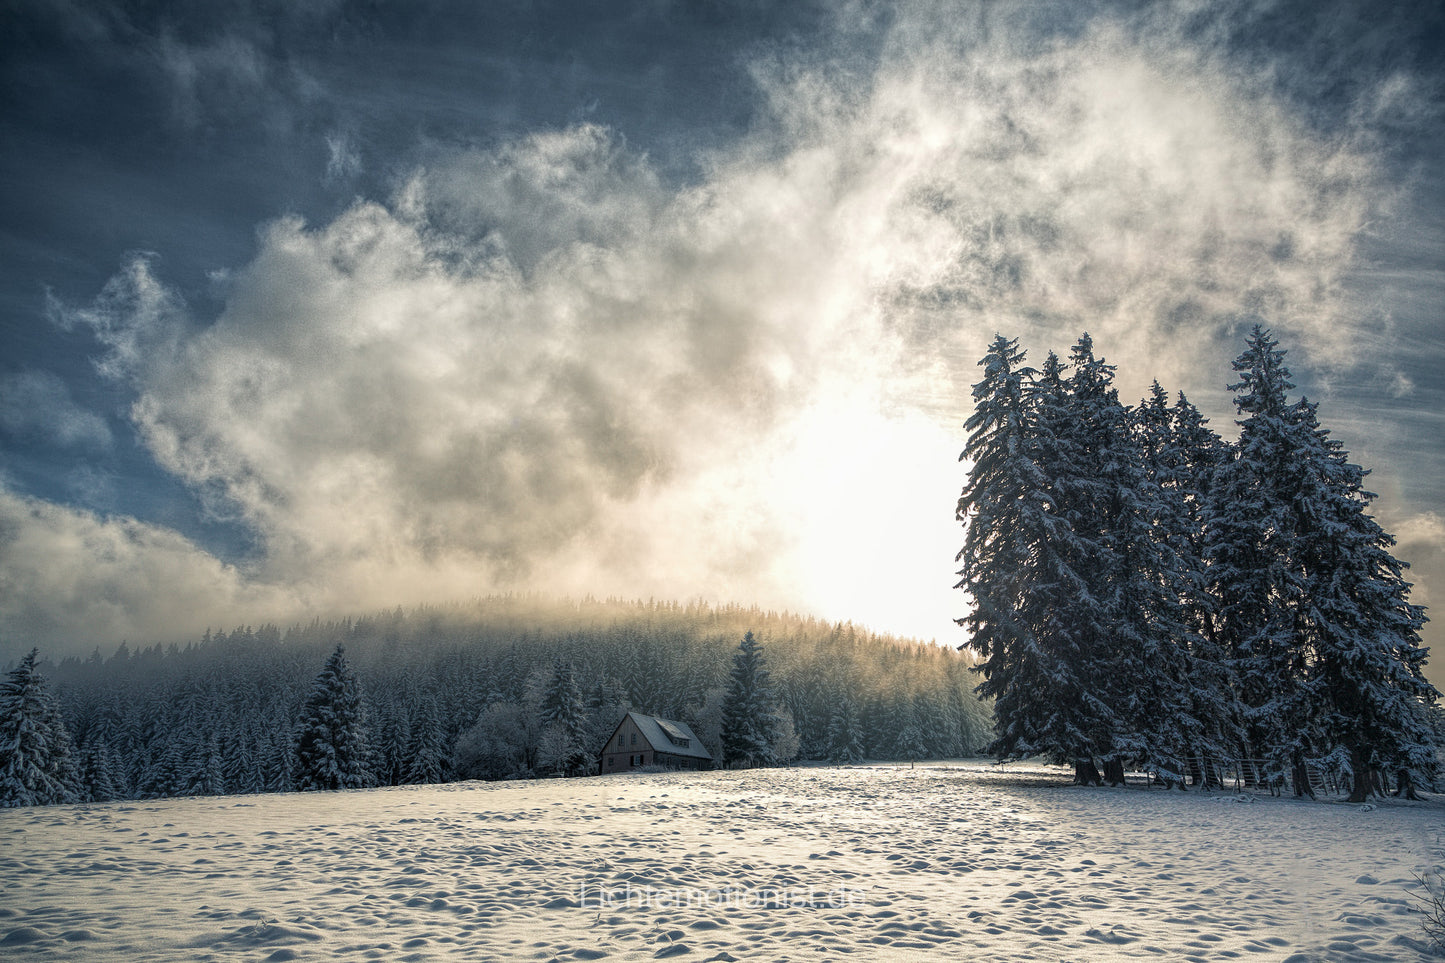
[{"x": 325, "y": 306}]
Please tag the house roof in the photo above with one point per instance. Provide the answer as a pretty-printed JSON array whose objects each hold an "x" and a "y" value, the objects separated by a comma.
[{"x": 665, "y": 735}]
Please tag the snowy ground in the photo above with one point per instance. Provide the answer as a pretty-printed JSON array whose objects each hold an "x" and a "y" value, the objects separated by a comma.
[{"x": 967, "y": 861}]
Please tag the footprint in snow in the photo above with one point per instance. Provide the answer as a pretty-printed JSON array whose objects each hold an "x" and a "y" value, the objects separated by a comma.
[{"x": 1113, "y": 936}]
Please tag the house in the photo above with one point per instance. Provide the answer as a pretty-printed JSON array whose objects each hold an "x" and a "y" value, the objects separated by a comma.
[{"x": 641, "y": 740}]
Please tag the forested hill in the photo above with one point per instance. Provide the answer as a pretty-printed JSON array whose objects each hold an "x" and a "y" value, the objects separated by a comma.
[{"x": 220, "y": 714}]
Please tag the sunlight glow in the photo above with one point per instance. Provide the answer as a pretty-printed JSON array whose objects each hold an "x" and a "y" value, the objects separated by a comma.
[{"x": 872, "y": 497}]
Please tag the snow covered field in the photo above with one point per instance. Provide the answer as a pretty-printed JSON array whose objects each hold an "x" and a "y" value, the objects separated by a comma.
[{"x": 967, "y": 861}]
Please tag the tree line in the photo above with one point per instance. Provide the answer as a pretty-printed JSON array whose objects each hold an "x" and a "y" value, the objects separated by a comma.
[
  {"x": 1145, "y": 594},
  {"x": 501, "y": 687}
]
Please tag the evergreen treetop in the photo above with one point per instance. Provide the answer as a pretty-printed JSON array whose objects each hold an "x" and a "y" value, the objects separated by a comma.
[
  {"x": 36, "y": 765},
  {"x": 332, "y": 745},
  {"x": 749, "y": 725}
]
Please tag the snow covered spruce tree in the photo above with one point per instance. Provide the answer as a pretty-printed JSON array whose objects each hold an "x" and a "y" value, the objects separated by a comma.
[
  {"x": 1125, "y": 618},
  {"x": 332, "y": 750},
  {"x": 845, "y": 733},
  {"x": 1366, "y": 680},
  {"x": 1021, "y": 567},
  {"x": 426, "y": 749},
  {"x": 1080, "y": 581},
  {"x": 1182, "y": 456},
  {"x": 1312, "y": 608},
  {"x": 1251, "y": 554},
  {"x": 1004, "y": 510},
  {"x": 36, "y": 766},
  {"x": 749, "y": 723},
  {"x": 563, "y": 720}
]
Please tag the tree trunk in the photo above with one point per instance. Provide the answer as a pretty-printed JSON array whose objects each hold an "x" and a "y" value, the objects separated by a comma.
[
  {"x": 1360, "y": 780},
  {"x": 1406, "y": 785},
  {"x": 1302, "y": 785},
  {"x": 1114, "y": 771},
  {"x": 1086, "y": 773}
]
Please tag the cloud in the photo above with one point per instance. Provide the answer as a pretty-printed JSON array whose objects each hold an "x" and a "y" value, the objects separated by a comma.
[
  {"x": 1421, "y": 543},
  {"x": 37, "y": 404},
  {"x": 1133, "y": 186},
  {"x": 135, "y": 319},
  {"x": 227, "y": 70},
  {"x": 542, "y": 364},
  {"x": 1423, "y": 531},
  {"x": 1401, "y": 385},
  {"x": 343, "y": 161},
  {"x": 74, "y": 579}
]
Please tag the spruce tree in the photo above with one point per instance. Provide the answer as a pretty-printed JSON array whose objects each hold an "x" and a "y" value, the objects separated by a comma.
[
  {"x": 206, "y": 772},
  {"x": 332, "y": 750},
  {"x": 562, "y": 701},
  {"x": 908, "y": 738},
  {"x": 845, "y": 734},
  {"x": 1312, "y": 607},
  {"x": 278, "y": 752},
  {"x": 749, "y": 725},
  {"x": 102, "y": 777},
  {"x": 1253, "y": 575},
  {"x": 1099, "y": 489},
  {"x": 1080, "y": 588},
  {"x": 1014, "y": 570},
  {"x": 1003, "y": 494},
  {"x": 239, "y": 763},
  {"x": 99, "y": 775},
  {"x": 1129, "y": 513},
  {"x": 36, "y": 764},
  {"x": 393, "y": 742},
  {"x": 563, "y": 716},
  {"x": 1053, "y": 700},
  {"x": 426, "y": 750},
  {"x": 1186, "y": 466},
  {"x": 1123, "y": 636},
  {"x": 1365, "y": 679}
]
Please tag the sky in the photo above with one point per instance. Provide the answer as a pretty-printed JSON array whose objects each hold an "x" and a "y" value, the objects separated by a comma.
[{"x": 318, "y": 308}]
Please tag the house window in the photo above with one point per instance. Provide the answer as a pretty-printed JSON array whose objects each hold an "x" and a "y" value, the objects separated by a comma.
[{"x": 634, "y": 738}]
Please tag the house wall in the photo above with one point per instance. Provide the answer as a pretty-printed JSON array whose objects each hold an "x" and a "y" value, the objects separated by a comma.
[
  {"x": 680, "y": 762},
  {"x": 627, "y": 749}
]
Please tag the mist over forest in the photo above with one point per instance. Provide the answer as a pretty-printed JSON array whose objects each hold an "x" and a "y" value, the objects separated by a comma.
[{"x": 220, "y": 714}]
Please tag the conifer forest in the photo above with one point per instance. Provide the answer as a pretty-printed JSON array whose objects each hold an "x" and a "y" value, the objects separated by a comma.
[{"x": 503, "y": 687}]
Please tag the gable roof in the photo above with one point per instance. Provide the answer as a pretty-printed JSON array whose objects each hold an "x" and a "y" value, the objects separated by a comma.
[{"x": 665, "y": 735}]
